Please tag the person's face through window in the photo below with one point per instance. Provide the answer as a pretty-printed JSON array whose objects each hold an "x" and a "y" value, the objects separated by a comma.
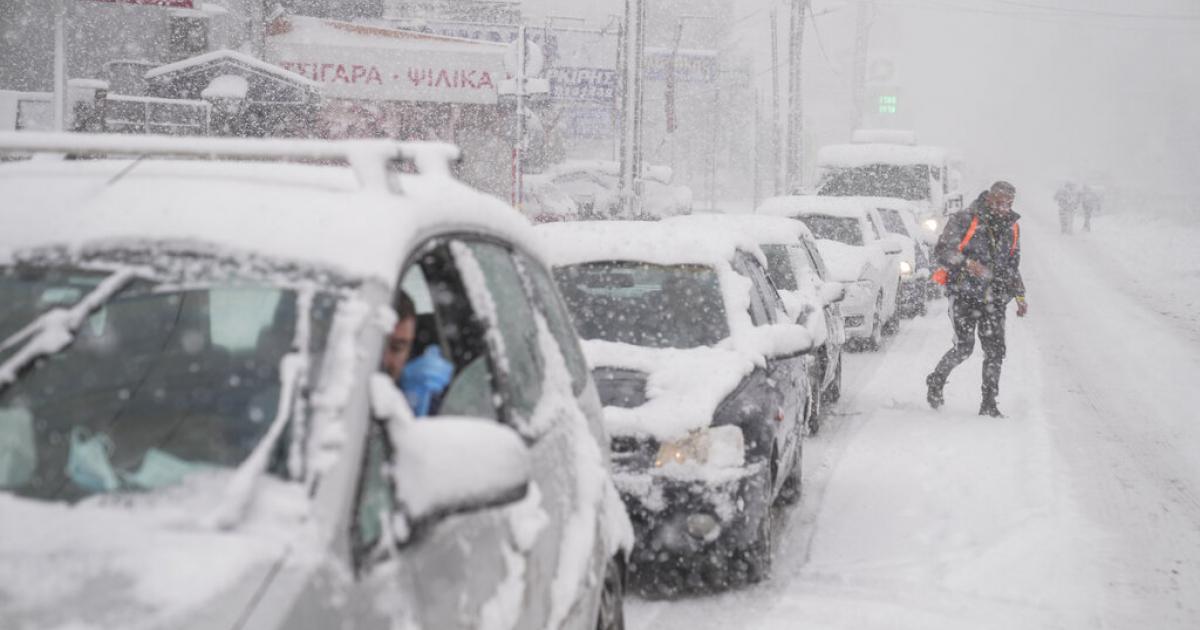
[{"x": 399, "y": 346}]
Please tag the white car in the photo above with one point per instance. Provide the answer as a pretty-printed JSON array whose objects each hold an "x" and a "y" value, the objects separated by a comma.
[
  {"x": 195, "y": 428},
  {"x": 859, "y": 253},
  {"x": 797, "y": 269},
  {"x": 594, "y": 185},
  {"x": 900, "y": 222}
]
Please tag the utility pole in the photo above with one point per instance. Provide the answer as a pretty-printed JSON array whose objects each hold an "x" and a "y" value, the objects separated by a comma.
[
  {"x": 518, "y": 157},
  {"x": 60, "y": 65},
  {"x": 633, "y": 44},
  {"x": 795, "y": 145},
  {"x": 861, "y": 44},
  {"x": 777, "y": 176}
]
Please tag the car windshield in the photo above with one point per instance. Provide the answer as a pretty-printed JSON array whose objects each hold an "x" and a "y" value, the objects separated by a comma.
[
  {"x": 779, "y": 267},
  {"x": 910, "y": 181},
  {"x": 154, "y": 384},
  {"x": 841, "y": 229},
  {"x": 656, "y": 306},
  {"x": 892, "y": 221}
]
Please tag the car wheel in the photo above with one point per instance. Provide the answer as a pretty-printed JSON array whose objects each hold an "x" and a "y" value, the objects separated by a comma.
[
  {"x": 834, "y": 391},
  {"x": 758, "y": 556},
  {"x": 812, "y": 410},
  {"x": 892, "y": 325},
  {"x": 789, "y": 493},
  {"x": 875, "y": 341},
  {"x": 611, "y": 615}
]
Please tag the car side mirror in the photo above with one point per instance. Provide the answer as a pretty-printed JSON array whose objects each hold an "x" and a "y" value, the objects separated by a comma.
[
  {"x": 447, "y": 464},
  {"x": 832, "y": 292},
  {"x": 450, "y": 465}
]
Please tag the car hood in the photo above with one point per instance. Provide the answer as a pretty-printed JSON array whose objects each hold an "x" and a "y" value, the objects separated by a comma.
[
  {"x": 683, "y": 386},
  {"x": 131, "y": 562},
  {"x": 846, "y": 262}
]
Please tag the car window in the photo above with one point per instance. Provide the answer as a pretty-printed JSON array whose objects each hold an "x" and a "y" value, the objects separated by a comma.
[
  {"x": 814, "y": 256},
  {"x": 506, "y": 307},
  {"x": 846, "y": 230},
  {"x": 760, "y": 313},
  {"x": 893, "y": 222},
  {"x": 447, "y": 319},
  {"x": 558, "y": 320},
  {"x": 874, "y": 227},
  {"x": 780, "y": 266}
]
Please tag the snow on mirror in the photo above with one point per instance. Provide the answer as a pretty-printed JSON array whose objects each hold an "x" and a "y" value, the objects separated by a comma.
[{"x": 447, "y": 464}]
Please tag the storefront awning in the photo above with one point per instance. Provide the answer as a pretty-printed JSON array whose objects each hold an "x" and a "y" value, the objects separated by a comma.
[{"x": 354, "y": 61}]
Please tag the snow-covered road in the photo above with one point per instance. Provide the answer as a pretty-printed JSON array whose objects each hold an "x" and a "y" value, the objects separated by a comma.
[{"x": 1080, "y": 510}]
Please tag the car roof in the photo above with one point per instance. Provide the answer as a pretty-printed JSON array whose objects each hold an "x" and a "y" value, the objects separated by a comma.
[
  {"x": 891, "y": 203},
  {"x": 866, "y": 154},
  {"x": 658, "y": 242},
  {"x": 307, "y": 213},
  {"x": 764, "y": 229},
  {"x": 806, "y": 205}
]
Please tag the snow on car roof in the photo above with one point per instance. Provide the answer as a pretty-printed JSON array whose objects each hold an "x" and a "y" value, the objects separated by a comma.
[
  {"x": 852, "y": 155},
  {"x": 806, "y": 205},
  {"x": 891, "y": 203},
  {"x": 764, "y": 229},
  {"x": 658, "y": 242},
  {"x": 295, "y": 212}
]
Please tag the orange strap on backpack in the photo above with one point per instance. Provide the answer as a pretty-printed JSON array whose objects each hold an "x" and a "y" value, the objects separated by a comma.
[{"x": 942, "y": 276}]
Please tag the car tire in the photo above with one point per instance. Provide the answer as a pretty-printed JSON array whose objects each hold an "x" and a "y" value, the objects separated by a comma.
[
  {"x": 757, "y": 557},
  {"x": 892, "y": 325},
  {"x": 611, "y": 612},
  {"x": 812, "y": 410},
  {"x": 793, "y": 486},
  {"x": 834, "y": 390},
  {"x": 875, "y": 341}
]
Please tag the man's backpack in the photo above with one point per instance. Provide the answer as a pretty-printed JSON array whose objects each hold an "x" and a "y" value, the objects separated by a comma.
[{"x": 941, "y": 275}]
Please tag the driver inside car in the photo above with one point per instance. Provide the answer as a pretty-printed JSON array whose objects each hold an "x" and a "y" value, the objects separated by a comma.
[{"x": 422, "y": 379}]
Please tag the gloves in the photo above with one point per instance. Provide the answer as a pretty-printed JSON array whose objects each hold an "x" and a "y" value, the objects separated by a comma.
[{"x": 424, "y": 379}]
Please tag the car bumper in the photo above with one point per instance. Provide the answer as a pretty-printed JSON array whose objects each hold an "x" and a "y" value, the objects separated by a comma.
[
  {"x": 688, "y": 523},
  {"x": 858, "y": 310}
]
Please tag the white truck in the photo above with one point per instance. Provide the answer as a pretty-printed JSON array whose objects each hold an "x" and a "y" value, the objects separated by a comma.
[{"x": 890, "y": 163}]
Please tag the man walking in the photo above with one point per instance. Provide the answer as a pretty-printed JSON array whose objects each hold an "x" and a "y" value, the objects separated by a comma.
[{"x": 980, "y": 251}]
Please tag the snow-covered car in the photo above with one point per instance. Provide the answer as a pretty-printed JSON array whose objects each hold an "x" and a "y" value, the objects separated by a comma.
[
  {"x": 195, "y": 431},
  {"x": 544, "y": 202},
  {"x": 900, "y": 220},
  {"x": 594, "y": 185},
  {"x": 798, "y": 272},
  {"x": 705, "y": 390},
  {"x": 858, "y": 253}
]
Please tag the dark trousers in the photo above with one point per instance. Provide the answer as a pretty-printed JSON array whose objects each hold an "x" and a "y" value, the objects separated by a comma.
[{"x": 971, "y": 317}]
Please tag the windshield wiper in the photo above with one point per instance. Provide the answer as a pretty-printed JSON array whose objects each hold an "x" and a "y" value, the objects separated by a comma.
[{"x": 55, "y": 329}]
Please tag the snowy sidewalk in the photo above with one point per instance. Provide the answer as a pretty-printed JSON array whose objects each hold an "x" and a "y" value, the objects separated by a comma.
[{"x": 1077, "y": 511}]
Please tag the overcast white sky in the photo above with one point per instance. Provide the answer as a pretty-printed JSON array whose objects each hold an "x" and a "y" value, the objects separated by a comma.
[{"x": 1021, "y": 93}]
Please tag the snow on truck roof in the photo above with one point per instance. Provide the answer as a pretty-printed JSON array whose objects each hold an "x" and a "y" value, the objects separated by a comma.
[
  {"x": 658, "y": 242},
  {"x": 347, "y": 219},
  {"x": 764, "y": 229},
  {"x": 854, "y": 155},
  {"x": 806, "y": 205}
]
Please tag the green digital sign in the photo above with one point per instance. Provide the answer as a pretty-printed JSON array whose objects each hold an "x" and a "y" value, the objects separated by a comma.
[{"x": 888, "y": 104}]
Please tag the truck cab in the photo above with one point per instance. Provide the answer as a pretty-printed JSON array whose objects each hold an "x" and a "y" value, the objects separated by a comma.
[{"x": 890, "y": 163}]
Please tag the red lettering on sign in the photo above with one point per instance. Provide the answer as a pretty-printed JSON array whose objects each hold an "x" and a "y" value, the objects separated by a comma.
[{"x": 486, "y": 81}]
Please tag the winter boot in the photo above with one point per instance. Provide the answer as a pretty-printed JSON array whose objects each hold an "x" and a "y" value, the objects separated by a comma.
[
  {"x": 934, "y": 392},
  {"x": 989, "y": 408}
]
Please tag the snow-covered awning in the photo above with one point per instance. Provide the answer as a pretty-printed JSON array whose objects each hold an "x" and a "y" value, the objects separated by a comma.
[
  {"x": 266, "y": 82},
  {"x": 355, "y": 61}
]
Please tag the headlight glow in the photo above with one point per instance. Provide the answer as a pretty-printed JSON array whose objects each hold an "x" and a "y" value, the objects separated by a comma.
[
  {"x": 720, "y": 447},
  {"x": 930, "y": 224},
  {"x": 905, "y": 268}
]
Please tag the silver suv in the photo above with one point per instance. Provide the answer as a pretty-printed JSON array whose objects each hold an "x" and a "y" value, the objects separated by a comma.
[{"x": 194, "y": 427}]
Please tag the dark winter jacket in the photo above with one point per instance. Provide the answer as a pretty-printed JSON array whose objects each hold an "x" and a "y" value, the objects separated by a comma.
[{"x": 995, "y": 244}]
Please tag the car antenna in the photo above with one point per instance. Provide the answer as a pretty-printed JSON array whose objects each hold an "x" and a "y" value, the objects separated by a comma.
[{"x": 125, "y": 171}]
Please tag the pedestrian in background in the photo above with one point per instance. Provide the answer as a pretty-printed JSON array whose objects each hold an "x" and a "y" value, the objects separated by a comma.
[{"x": 1068, "y": 201}]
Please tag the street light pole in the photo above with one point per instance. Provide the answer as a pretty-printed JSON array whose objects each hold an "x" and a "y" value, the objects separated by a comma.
[
  {"x": 60, "y": 65},
  {"x": 795, "y": 135},
  {"x": 631, "y": 50}
]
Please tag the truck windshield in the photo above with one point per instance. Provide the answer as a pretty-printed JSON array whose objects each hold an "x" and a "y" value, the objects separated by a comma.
[
  {"x": 154, "y": 384},
  {"x": 909, "y": 182}
]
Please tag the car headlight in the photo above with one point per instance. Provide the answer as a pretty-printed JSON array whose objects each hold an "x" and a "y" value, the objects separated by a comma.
[
  {"x": 930, "y": 224},
  {"x": 905, "y": 268},
  {"x": 720, "y": 447}
]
